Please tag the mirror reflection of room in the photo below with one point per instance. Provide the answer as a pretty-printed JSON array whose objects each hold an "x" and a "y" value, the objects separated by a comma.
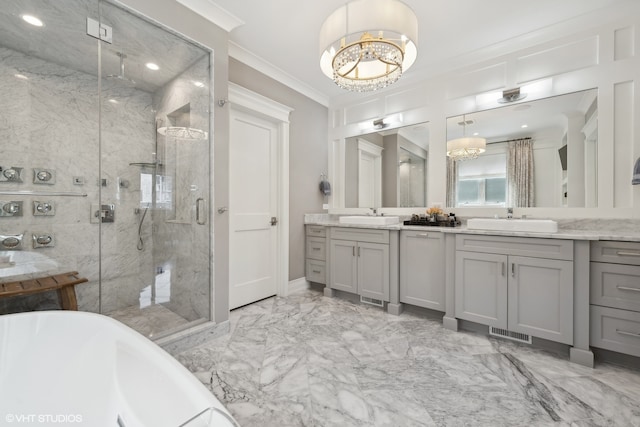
[
  {"x": 541, "y": 153},
  {"x": 387, "y": 168}
]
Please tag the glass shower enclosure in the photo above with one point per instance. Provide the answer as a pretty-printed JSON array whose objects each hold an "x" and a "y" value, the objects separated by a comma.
[{"x": 105, "y": 142}]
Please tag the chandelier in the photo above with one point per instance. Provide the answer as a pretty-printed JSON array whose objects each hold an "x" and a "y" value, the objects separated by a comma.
[
  {"x": 466, "y": 148},
  {"x": 367, "y": 44}
]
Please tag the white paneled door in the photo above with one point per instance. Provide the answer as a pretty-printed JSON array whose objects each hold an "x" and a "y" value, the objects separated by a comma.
[{"x": 253, "y": 201}]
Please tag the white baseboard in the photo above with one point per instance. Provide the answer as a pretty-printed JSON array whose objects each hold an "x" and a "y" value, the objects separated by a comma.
[{"x": 299, "y": 285}]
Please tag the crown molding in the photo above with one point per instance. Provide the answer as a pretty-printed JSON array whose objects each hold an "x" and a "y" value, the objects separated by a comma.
[
  {"x": 214, "y": 13},
  {"x": 252, "y": 60}
]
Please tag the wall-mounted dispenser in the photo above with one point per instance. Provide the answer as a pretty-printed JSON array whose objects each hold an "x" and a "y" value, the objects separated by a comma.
[
  {"x": 43, "y": 240},
  {"x": 11, "y": 242},
  {"x": 44, "y": 176},
  {"x": 10, "y": 174},
  {"x": 12, "y": 208},
  {"x": 43, "y": 208},
  {"x": 325, "y": 186}
]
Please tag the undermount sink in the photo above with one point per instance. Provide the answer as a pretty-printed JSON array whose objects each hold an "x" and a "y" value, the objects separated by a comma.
[
  {"x": 369, "y": 220},
  {"x": 529, "y": 225}
]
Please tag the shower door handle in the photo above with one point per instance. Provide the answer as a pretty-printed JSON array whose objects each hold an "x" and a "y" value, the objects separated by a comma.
[{"x": 200, "y": 211}]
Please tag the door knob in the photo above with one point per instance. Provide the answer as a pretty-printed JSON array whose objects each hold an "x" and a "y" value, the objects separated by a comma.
[{"x": 274, "y": 220}]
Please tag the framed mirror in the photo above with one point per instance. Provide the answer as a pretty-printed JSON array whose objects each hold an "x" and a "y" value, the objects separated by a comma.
[
  {"x": 541, "y": 153},
  {"x": 387, "y": 168}
]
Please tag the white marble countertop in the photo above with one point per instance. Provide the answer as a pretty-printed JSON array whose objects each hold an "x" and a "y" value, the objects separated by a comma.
[{"x": 563, "y": 233}]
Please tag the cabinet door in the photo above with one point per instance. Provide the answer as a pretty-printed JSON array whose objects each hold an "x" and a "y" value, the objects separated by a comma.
[
  {"x": 343, "y": 266},
  {"x": 541, "y": 298},
  {"x": 481, "y": 288},
  {"x": 422, "y": 269},
  {"x": 373, "y": 270}
]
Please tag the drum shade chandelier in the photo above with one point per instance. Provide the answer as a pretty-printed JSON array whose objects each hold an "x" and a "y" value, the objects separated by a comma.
[
  {"x": 467, "y": 147},
  {"x": 366, "y": 45}
]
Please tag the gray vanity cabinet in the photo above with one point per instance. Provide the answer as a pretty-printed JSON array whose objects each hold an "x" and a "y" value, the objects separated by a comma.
[
  {"x": 540, "y": 298},
  {"x": 315, "y": 254},
  {"x": 422, "y": 269},
  {"x": 496, "y": 285},
  {"x": 359, "y": 262},
  {"x": 481, "y": 288},
  {"x": 344, "y": 266},
  {"x": 615, "y": 296}
]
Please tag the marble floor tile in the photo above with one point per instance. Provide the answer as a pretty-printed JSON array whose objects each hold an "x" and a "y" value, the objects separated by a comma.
[
  {"x": 149, "y": 321},
  {"x": 308, "y": 360}
]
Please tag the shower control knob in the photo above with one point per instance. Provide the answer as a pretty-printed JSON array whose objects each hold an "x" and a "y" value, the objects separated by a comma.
[
  {"x": 10, "y": 174},
  {"x": 11, "y": 208},
  {"x": 44, "y": 176},
  {"x": 44, "y": 207}
]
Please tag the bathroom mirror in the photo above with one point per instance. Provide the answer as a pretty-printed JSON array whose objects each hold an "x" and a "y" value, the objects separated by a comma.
[
  {"x": 541, "y": 153},
  {"x": 387, "y": 168}
]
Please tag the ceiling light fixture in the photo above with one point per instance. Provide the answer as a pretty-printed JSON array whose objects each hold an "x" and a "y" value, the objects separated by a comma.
[
  {"x": 30, "y": 19},
  {"x": 466, "y": 148},
  {"x": 152, "y": 66},
  {"x": 367, "y": 44}
]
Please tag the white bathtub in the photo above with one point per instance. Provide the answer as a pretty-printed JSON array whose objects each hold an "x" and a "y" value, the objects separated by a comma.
[{"x": 69, "y": 368}]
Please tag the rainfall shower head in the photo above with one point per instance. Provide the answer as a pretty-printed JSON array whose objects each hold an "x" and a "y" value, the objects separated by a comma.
[{"x": 121, "y": 75}]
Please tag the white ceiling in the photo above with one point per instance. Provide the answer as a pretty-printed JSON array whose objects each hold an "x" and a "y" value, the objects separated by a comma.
[{"x": 280, "y": 37}]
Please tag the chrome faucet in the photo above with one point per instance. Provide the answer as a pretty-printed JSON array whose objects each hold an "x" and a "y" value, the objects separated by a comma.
[{"x": 509, "y": 213}]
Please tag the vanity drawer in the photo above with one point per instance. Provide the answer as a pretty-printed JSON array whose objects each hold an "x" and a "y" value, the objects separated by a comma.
[
  {"x": 615, "y": 285},
  {"x": 520, "y": 246},
  {"x": 371, "y": 235},
  {"x": 316, "y": 231},
  {"x": 616, "y": 252},
  {"x": 614, "y": 329},
  {"x": 316, "y": 248},
  {"x": 316, "y": 271}
]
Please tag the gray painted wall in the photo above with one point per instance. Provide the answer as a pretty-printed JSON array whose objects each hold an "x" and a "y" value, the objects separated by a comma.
[{"x": 308, "y": 153}]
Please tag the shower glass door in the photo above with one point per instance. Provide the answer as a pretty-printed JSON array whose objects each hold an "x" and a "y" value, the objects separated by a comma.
[{"x": 155, "y": 263}]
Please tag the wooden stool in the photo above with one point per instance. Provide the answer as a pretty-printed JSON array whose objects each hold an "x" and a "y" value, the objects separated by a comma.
[{"x": 63, "y": 283}]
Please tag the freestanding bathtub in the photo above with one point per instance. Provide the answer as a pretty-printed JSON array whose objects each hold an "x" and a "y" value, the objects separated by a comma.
[{"x": 68, "y": 368}]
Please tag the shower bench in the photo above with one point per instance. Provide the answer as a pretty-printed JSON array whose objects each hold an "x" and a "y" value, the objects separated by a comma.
[{"x": 64, "y": 283}]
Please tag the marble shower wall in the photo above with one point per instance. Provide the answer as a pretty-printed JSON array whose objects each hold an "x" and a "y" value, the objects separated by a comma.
[
  {"x": 181, "y": 245},
  {"x": 50, "y": 120}
]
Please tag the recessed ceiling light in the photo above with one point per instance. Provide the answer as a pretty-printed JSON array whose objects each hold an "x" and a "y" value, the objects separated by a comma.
[
  {"x": 113, "y": 101},
  {"x": 30, "y": 19},
  {"x": 152, "y": 66},
  {"x": 21, "y": 76},
  {"x": 524, "y": 126},
  {"x": 198, "y": 84},
  {"x": 476, "y": 134}
]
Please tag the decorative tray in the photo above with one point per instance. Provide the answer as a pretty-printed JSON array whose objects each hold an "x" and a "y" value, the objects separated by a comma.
[{"x": 427, "y": 223}]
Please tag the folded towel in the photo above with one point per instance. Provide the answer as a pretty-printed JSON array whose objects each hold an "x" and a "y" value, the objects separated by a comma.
[
  {"x": 636, "y": 173},
  {"x": 325, "y": 187}
]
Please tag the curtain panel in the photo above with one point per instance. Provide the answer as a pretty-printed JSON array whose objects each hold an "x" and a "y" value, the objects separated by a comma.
[{"x": 520, "y": 174}]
